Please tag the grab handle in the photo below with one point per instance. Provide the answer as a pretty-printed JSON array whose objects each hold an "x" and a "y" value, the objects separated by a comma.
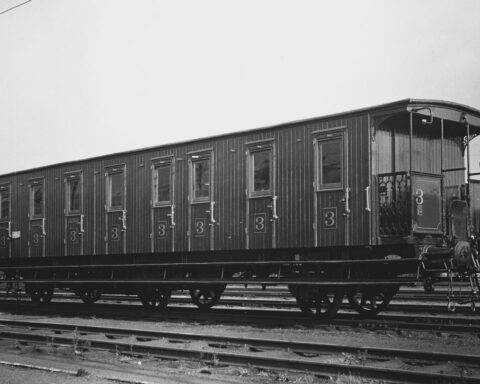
[{"x": 367, "y": 197}]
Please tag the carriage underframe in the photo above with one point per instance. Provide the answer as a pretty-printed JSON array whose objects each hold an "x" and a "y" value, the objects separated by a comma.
[{"x": 319, "y": 279}]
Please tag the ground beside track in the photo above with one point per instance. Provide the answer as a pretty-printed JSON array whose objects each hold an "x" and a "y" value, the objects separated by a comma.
[
  {"x": 100, "y": 367},
  {"x": 184, "y": 371}
]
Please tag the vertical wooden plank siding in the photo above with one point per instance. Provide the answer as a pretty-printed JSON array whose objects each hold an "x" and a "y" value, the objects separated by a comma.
[
  {"x": 294, "y": 188},
  {"x": 295, "y": 167},
  {"x": 393, "y": 145}
]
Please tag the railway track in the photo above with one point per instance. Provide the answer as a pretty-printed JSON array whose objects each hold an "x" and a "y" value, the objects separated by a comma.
[
  {"x": 243, "y": 306},
  {"x": 314, "y": 357},
  {"x": 251, "y": 316}
]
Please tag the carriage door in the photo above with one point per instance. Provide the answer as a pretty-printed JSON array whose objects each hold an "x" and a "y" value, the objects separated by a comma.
[
  {"x": 74, "y": 218},
  {"x": 202, "y": 205},
  {"x": 5, "y": 222},
  {"x": 116, "y": 213},
  {"x": 261, "y": 199},
  {"x": 163, "y": 205},
  {"x": 331, "y": 190},
  {"x": 37, "y": 222}
]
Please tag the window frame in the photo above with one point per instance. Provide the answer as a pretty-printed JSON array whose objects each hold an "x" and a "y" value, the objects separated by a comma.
[
  {"x": 156, "y": 165},
  {"x": 193, "y": 159},
  {"x": 6, "y": 187},
  {"x": 111, "y": 171},
  {"x": 69, "y": 177},
  {"x": 251, "y": 150},
  {"x": 320, "y": 140},
  {"x": 34, "y": 183}
]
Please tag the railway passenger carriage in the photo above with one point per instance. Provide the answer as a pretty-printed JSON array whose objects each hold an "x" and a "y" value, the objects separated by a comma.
[{"x": 360, "y": 201}]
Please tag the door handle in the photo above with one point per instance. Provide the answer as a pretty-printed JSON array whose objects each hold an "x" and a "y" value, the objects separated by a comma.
[
  {"x": 82, "y": 230},
  {"x": 124, "y": 220},
  {"x": 172, "y": 215},
  {"x": 274, "y": 208},
  {"x": 44, "y": 232},
  {"x": 347, "y": 201},
  {"x": 9, "y": 229},
  {"x": 212, "y": 218},
  {"x": 367, "y": 197}
]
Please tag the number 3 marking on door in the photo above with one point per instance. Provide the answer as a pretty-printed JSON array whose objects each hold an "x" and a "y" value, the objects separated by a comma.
[
  {"x": 260, "y": 219},
  {"x": 330, "y": 218},
  {"x": 115, "y": 233},
  {"x": 73, "y": 236},
  {"x": 36, "y": 238},
  {"x": 161, "y": 229},
  {"x": 199, "y": 227}
]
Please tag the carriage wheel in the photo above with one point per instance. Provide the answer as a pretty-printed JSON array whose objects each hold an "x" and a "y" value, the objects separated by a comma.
[
  {"x": 206, "y": 297},
  {"x": 40, "y": 294},
  {"x": 321, "y": 302},
  {"x": 155, "y": 297},
  {"x": 370, "y": 300},
  {"x": 89, "y": 296}
]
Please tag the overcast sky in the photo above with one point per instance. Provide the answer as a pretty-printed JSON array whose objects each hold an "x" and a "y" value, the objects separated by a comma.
[{"x": 80, "y": 78}]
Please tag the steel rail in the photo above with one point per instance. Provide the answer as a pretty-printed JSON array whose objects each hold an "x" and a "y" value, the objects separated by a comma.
[
  {"x": 296, "y": 346},
  {"x": 453, "y": 324},
  {"x": 245, "y": 358}
]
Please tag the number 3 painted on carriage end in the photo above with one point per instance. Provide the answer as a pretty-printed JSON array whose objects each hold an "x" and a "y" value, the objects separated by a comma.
[{"x": 330, "y": 218}]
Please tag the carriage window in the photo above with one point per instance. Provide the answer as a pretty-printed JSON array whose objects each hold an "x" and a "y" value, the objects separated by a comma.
[
  {"x": 36, "y": 200},
  {"x": 163, "y": 184},
  {"x": 74, "y": 197},
  {"x": 4, "y": 204},
  {"x": 260, "y": 171},
  {"x": 330, "y": 164},
  {"x": 115, "y": 190},
  {"x": 201, "y": 180}
]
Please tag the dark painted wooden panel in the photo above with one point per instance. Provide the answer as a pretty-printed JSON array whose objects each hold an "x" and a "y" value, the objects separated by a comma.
[
  {"x": 201, "y": 229},
  {"x": 332, "y": 224},
  {"x": 74, "y": 236},
  {"x": 162, "y": 229},
  {"x": 5, "y": 240},
  {"x": 36, "y": 239},
  {"x": 261, "y": 222},
  {"x": 294, "y": 176}
]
